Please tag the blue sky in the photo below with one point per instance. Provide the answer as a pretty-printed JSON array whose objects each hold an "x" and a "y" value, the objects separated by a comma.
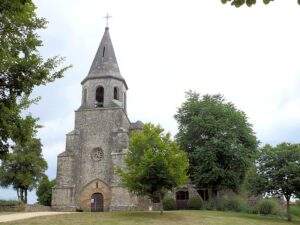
[{"x": 164, "y": 48}]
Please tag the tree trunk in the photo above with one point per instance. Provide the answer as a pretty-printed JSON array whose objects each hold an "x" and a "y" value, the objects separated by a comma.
[
  {"x": 22, "y": 194},
  {"x": 161, "y": 204},
  {"x": 25, "y": 200},
  {"x": 18, "y": 194},
  {"x": 288, "y": 209}
]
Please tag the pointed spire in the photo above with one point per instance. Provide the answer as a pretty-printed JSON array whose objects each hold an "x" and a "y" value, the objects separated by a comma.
[{"x": 105, "y": 64}]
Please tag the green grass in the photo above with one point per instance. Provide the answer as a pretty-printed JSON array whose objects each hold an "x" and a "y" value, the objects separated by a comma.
[
  {"x": 200, "y": 217},
  {"x": 295, "y": 210}
]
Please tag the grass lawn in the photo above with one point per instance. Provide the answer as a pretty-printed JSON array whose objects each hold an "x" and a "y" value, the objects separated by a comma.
[
  {"x": 142, "y": 218},
  {"x": 295, "y": 210}
]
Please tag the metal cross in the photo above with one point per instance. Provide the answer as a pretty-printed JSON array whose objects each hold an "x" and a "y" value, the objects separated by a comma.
[{"x": 107, "y": 17}]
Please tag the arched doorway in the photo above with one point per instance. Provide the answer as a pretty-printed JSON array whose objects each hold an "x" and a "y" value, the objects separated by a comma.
[{"x": 97, "y": 202}]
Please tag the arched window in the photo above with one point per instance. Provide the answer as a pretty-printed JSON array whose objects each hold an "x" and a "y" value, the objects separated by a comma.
[
  {"x": 99, "y": 96},
  {"x": 103, "y": 52},
  {"x": 116, "y": 93},
  {"x": 84, "y": 97}
]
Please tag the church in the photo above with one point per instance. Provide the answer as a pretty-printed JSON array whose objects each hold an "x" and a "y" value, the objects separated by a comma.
[{"x": 86, "y": 178}]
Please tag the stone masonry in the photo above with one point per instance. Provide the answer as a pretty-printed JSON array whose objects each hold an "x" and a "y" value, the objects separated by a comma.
[{"x": 86, "y": 177}]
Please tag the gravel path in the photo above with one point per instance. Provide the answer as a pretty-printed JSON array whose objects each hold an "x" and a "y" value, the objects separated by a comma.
[{"x": 21, "y": 216}]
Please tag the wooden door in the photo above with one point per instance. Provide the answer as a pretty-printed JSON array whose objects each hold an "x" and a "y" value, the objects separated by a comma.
[{"x": 97, "y": 202}]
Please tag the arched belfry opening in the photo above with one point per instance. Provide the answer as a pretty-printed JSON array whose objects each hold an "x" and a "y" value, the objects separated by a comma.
[
  {"x": 116, "y": 93},
  {"x": 99, "y": 96},
  {"x": 97, "y": 202}
]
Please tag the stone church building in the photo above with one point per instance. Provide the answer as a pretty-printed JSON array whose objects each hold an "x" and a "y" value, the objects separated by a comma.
[{"x": 85, "y": 170}]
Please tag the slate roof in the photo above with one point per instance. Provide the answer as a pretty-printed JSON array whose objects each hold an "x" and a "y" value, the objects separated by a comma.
[{"x": 105, "y": 64}]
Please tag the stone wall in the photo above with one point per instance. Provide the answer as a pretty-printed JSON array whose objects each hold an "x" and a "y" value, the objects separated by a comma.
[{"x": 37, "y": 208}]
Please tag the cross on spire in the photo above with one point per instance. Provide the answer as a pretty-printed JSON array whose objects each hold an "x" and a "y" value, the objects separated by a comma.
[{"x": 107, "y": 17}]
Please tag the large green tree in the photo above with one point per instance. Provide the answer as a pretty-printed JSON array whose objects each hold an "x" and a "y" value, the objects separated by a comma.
[
  {"x": 154, "y": 163},
  {"x": 218, "y": 139},
  {"x": 277, "y": 172},
  {"x": 21, "y": 67},
  {"x": 238, "y": 3},
  {"x": 44, "y": 191},
  {"x": 23, "y": 167}
]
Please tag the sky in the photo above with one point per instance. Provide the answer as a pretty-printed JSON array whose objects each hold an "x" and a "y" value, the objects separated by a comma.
[{"x": 165, "y": 48}]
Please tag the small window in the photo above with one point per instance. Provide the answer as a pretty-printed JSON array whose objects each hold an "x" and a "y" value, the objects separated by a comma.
[
  {"x": 103, "y": 52},
  {"x": 99, "y": 96},
  {"x": 116, "y": 93}
]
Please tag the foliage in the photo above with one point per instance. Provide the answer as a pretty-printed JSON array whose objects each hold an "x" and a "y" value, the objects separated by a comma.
[
  {"x": 22, "y": 67},
  {"x": 253, "y": 183},
  {"x": 154, "y": 163},
  {"x": 278, "y": 168},
  {"x": 295, "y": 210},
  {"x": 233, "y": 203},
  {"x": 44, "y": 191},
  {"x": 169, "y": 203},
  {"x": 210, "y": 204},
  {"x": 23, "y": 168},
  {"x": 238, "y": 3},
  {"x": 218, "y": 139},
  {"x": 195, "y": 203},
  {"x": 268, "y": 206}
]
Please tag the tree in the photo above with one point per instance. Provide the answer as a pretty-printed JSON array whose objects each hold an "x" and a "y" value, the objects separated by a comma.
[
  {"x": 154, "y": 163},
  {"x": 44, "y": 191},
  {"x": 23, "y": 168},
  {"x": 238, "y": 3},
  {"x": 21, "y": 67},
  {"x": 279, "y": 169},
  {"x": 218, "y": 139}
]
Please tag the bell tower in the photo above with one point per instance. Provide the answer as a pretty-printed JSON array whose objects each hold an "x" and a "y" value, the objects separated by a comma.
[
  {"x": 104, "y": 85},
  {"x": 86, "y": 177}
]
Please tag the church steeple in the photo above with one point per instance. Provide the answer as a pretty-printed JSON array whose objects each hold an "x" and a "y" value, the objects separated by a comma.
[
  {"x": 104, "y": 86},
  {"x": 105, "y": 64}
]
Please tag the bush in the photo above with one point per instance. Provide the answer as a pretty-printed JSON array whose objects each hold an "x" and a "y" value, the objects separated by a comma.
[
  {"x": 195, "y": 203},
  {"x": 233, "y": 203},
  {"x": 210, "y": 204},
  {"x": 169, "y": 204},
  {"x": 44, "y": 191},
  {"x": 268, "y": 206},
  {"x": 230, "y": 203}
]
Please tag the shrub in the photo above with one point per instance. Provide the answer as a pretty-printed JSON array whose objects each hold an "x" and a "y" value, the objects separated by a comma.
[
  {"x": 195, "y": 203},
  {"x": 268, "y": 206},
  {"x": 230, "y": 203},
  {"x": 169, "y": 203},
  {"x": 210, "y": 204},
  {"x": 44, "y": 191},
  {"x": 234, "y": 203}
]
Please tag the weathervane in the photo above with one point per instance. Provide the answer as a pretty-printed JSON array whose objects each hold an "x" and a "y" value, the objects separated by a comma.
[{"x": 107, "y": 17}]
